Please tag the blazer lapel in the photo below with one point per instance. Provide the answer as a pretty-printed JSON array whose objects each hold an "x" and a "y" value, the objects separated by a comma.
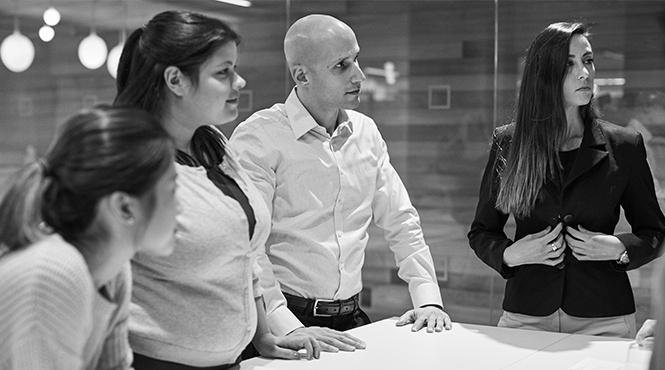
[{"x": 592, "y": 151}]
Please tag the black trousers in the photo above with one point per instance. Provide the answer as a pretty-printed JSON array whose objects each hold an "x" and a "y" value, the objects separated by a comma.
[
  {"x": 148, "y": 363},
  {"x": 339, "y": 323}
]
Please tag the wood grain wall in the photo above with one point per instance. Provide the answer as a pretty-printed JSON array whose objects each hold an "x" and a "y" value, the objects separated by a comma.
[{"x": 439, "y": 153}]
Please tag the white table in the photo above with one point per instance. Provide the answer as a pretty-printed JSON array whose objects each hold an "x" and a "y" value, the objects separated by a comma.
[{"x": 465, "y": 347}]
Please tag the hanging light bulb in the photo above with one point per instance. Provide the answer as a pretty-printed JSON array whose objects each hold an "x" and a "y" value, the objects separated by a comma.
[
  {"x": 46, "y": 33},
  {"x": 114, "y": 59},
  {"x": 17, "y": 51},
  {"x": 51, "y": 16},
  {"x": 114, "y": 55},
  {"x": 92, "y": 51}
]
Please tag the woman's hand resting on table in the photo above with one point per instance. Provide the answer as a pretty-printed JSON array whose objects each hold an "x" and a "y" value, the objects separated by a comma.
[
  {"x": 287, "y": 347},
  {"x": 331, "y": 340}
]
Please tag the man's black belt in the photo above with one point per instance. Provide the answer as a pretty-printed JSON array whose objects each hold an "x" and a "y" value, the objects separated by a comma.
[{"x": 323, "y": 307}]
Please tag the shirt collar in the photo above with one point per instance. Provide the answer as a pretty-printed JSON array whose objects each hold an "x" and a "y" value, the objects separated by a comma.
[{"x": 302, "y": 122}]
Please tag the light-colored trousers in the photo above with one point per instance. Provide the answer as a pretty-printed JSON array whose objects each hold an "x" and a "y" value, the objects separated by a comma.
[{"x": 561, "y": 322}]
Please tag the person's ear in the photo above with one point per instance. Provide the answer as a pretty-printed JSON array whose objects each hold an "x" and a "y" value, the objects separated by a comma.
[
  {"x": 175, "y": 80},
  {"x": 124, "y": 207},
  {"x": 299, "y": 74}
]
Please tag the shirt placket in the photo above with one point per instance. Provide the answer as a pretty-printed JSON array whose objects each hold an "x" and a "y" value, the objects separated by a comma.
[{"x": 334, "y": 145}]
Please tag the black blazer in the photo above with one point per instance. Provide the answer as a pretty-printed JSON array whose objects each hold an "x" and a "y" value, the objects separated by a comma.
[{"x": 610, "y": 171}]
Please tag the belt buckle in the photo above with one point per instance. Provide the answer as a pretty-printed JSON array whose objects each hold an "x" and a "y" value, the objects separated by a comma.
[{"x": 316, "y": 305}]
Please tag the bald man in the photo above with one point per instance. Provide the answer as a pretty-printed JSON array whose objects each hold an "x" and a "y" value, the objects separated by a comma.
[{"x": 324, "y": 171}]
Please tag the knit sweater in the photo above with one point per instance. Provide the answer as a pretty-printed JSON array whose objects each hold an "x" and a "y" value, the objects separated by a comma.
[
  {"x": 196, "y": 306},
  {"x": 51, "y": 316}
]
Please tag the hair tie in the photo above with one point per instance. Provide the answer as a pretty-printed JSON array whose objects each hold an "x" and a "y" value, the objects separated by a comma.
[{"x": 46, "y": 169}]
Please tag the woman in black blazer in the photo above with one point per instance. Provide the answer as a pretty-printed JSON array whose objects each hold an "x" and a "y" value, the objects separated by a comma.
[{"x": 564, "y": 174}]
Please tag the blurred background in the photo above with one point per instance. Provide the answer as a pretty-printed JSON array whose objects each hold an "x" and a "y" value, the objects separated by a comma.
[{"x": 440, "y": 76}]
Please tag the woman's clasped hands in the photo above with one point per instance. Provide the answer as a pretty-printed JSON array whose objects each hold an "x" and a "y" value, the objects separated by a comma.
[
  {"x": 547, "y": 246},
  {"x": 544, "y": 247}
]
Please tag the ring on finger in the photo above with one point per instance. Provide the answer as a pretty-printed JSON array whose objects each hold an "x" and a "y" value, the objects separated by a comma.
[{"x": 554, "y": 248}]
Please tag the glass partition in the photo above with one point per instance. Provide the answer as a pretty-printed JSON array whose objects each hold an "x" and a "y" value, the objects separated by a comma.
[{"x": 441, "y": 75}]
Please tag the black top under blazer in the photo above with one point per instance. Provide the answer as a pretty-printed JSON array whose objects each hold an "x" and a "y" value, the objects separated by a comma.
[{"x": 610, "y": 171}]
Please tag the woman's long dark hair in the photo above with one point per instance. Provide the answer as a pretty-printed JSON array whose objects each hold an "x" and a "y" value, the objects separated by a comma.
[
  {"x": 96, "y": 152},
  {"x": 540, "y": 122},
  {"x": 172, "y": 38}
]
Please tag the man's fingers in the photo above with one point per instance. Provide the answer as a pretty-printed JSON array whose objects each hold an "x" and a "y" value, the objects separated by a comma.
[
  {"x": 406, "y": 318},
  {"x": 418, "y": 324},
  {"x": 440, "y": 324},
  {"x": 431, "y": 324},
  {"x": 448, "y": 323}
]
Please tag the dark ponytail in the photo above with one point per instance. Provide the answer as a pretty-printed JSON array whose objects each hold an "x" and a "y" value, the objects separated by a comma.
[
  {"x": 125, "y": 63},
  {"x": 20, "y": 208},
  {"x": 97, "y": 152}
]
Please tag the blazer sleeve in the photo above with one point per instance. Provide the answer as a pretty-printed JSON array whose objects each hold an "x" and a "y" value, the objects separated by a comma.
[
  {"x": 486, "y": 236},
  {"x": 642, "y": 211}
]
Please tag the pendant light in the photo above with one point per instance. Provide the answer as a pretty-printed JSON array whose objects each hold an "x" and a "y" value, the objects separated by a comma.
[
  {"x": 92, "y": 50},
  {"x": 17, "y": 51},
  {"x": 51, "y": 16},
  {"x": 114, "y": 55},
  {"x": 46, "y": 33}
]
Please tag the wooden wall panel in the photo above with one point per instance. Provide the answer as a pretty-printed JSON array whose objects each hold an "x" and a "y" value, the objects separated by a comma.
[{"x": 439, "y": 153}]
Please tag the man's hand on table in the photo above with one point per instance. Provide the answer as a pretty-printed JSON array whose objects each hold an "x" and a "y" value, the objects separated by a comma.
[
  {"x": 331, "y": 340},
  {"x": 434, "y": 318}
]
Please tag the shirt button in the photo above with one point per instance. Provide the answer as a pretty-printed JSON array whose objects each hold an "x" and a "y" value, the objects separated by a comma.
[
  {"x": 249, "y": 328},
  {"x": 568, "y": 219},
  {"x": 248, "y": 255}
]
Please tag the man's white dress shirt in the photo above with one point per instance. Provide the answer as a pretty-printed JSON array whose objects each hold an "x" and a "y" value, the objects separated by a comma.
[{"x": 323, "y": 191}]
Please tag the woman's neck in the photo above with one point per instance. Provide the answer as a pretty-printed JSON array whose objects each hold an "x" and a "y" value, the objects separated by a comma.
[
  {"x": 179, "y": 131},
  {"x": 105, "y": 261},
  {"x": 574, "y": 130}
]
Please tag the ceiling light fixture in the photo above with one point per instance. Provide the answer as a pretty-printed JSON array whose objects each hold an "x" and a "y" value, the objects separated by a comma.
[
  {"x": 17, "y": 51},
  {"x": 51, "y": 16},
  {"x": 92, "y": 49},
  {"x": 243, "y": 3},
  {"x": 46, "y": 33},
  {"x": 113, "y": 60}
]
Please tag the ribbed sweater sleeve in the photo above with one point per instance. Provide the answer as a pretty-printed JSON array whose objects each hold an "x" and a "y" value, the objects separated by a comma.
[
  {"x": 45, "y": 297},
  {"x": 114, "y": 353}
]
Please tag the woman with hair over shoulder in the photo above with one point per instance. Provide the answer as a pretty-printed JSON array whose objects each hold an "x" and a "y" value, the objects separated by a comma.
[
  {"x": 564, "y": 174},
  {"x": 202, "y": 305},
  {"x": 69, "y": 224}
]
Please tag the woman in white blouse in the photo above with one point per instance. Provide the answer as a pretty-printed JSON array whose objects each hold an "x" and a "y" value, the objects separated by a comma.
[{"x": 201, "y": 306}]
